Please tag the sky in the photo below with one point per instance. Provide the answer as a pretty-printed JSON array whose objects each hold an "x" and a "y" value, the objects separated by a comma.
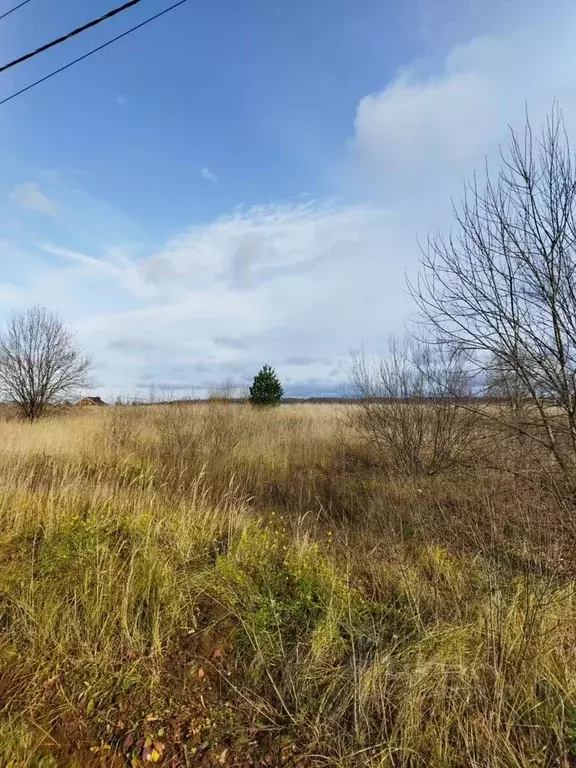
[{"x": 247, "y": 182}]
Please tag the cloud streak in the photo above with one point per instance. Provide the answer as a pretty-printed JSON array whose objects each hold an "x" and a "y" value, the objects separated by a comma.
[
  {"x": 207, "y": 174},
  {"x": 29, "y": 196}
]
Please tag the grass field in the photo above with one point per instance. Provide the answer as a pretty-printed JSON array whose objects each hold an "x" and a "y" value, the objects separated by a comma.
[{"x": 206, "y": 585}]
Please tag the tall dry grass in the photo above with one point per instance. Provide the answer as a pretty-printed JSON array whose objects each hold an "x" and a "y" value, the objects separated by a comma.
[{"x": 204, "y": 585}]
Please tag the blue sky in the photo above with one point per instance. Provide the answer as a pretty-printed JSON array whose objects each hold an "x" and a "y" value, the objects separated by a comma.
[{"x": 244, "y": 182}]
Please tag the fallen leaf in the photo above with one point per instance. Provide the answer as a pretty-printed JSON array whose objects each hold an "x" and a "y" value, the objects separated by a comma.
[
  {"x": 127, "y": 743},
  {"x": 201, "y": 673},
  {"x": 159, "y": 747},
  {"x": 222, "y": 758}
]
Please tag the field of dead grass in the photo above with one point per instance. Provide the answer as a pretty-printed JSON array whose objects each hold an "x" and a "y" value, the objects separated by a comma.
[{"x": 209, "y": 585}]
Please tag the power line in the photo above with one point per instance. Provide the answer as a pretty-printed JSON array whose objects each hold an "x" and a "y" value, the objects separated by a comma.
[
  {"x": 94, "y": 50},
  {"x": 14, "y": 9},
  {"x": 73, "y": 33}
]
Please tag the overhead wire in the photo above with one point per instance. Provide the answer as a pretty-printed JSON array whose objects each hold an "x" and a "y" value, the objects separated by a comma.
[
  {"x": 92, "y": 52},
  {"x": 7, "y": 13},
  {"x": 69, "y": 35}
]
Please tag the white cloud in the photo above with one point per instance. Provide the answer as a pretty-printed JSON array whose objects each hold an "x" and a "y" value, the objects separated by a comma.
[
  {"x": 438, "y": 128},
  {"x": 29, "y": 195},
  {"x": 207, "y": 174},
  {"x": 259, "y": 285}
]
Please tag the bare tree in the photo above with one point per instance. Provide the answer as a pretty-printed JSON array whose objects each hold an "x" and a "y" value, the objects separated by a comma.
[
  {"x": 501, "y": 287},
  {"x": 407, "y": 407},
  {"x": 40, "y": 362}
]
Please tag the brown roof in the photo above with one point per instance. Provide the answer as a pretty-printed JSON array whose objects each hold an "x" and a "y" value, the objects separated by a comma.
[{"x": 91, "y": 401}]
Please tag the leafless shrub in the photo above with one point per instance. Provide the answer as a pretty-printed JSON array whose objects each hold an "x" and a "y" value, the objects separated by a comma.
[
  {"x": 408, "y": 407},
  {"x": 40, "y": 362},
  {"x": 227, "y": 391}
]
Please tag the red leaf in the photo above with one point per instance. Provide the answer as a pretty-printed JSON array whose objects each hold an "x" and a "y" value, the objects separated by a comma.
[{"x": 127, "y": 743}]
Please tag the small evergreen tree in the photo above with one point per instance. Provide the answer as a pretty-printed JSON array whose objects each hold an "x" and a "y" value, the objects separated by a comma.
[{"x": 266, "y": 389}]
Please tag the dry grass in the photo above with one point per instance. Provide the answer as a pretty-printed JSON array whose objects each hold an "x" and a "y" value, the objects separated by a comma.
[{"x": 208, "y": 585}]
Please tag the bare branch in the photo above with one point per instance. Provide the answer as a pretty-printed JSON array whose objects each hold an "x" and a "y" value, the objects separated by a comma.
[{"x": 501, "y": 287}]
